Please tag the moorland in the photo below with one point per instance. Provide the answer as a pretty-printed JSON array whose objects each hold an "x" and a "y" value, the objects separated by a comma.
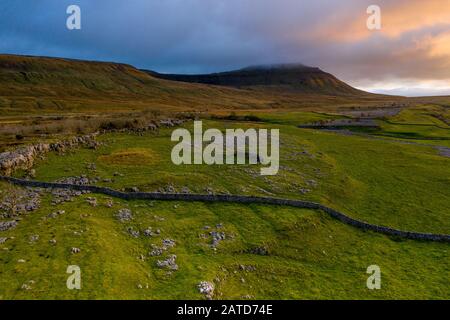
[{"x": 380, "y": 159}]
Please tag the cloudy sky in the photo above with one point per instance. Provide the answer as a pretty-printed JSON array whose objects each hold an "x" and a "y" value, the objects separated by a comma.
[{"x": 410, "y": 55}]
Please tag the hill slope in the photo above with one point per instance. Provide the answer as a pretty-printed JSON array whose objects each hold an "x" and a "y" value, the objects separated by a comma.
[
  {"x": 43, "y": 85},
  {"x": 59, "y": 77},
  {"x": 298, "y": 77}
]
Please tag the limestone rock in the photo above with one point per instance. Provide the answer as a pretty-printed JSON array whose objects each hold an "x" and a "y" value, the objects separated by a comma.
[{"x": 207, "y": 289}]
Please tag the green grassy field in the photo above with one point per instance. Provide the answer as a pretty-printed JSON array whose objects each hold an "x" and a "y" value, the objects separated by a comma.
[
  {"x": 310, "y": 255},
  {"x": 379, "y": 189},
  {"x": 431, "y": 124}
]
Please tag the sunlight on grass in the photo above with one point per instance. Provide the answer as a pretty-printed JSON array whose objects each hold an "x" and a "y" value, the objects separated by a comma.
[{"x": 130, "y": 157}]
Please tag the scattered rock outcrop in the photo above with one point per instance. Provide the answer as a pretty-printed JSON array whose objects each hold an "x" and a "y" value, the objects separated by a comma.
[
  {"x": 206, "y": 288},
  {"x": 150, "y": 126},
  {"x": 82, "y": 180},
  {"x": 260, "y": 251},
  {"x": 21, "y": 158},
  {"x": 24, "y": 157},
  {"x": 27, "y": 285},
  {"x": 56, "y": 214},
  {"x": 133, "y": 233},
  {"x": 169, "y": 263},
  {"x": 66, "y": 195},
  {"x": 156, "y": 251},
  {"x": 124, "y": 215},
  {"x": 6, "y": 225},
  {"x": 109, "y": 203},
  {"x": 216, "y": 238},
  {"x": 92, "y": 201},
  {"x": 34, "y": 238},
  {"x": 168, "y": 123},
  {"x": 75, "y": 250},
  {"x": 149, "y": 232},
  {"x": 166, "y": 245},
  {"x": 247, "y": 268},
  {"x": 19, "y": 201},
  {"x": 216, "y": 235}
]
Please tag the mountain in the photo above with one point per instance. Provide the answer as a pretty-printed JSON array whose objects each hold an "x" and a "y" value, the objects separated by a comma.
[
  {"x": 296, "y": 77},
  {"x": 37, "y": 84},
  {"x": 40, "y": 85}
]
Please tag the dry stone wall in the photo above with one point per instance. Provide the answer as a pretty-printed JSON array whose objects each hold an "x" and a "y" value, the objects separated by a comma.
[
  {"x": 235, "y": 199},
  {"x": 24, "y": 157}
]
